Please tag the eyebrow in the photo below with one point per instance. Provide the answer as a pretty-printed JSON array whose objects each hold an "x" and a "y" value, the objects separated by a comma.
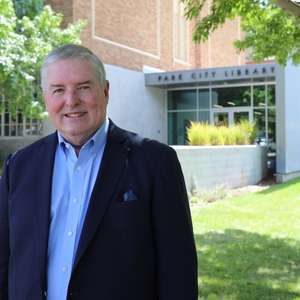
[
  {"x": 62, "y": 85},
  {"x": 55, "y": 85},
  {"x": 84, "y": 82}
]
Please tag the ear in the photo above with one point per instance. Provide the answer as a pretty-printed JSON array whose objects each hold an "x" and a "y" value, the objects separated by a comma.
[{"x": 106, "y": 89}]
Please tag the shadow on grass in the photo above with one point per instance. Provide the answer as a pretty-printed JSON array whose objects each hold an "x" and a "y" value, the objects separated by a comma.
[
  {"x": 242, "y": 265},
  {"x": 280, "y": 187}
]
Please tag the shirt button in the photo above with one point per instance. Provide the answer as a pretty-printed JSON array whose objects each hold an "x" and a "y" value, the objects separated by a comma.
[
  {"x": 64, "y": 269},
  {"x": 78, "y": 168},
  {"x": 75, "y": 200},
  {"x": 70, "y": 233}
]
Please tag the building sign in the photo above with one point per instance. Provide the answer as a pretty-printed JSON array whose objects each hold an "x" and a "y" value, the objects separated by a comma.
[{"x": 213, "y": 74}]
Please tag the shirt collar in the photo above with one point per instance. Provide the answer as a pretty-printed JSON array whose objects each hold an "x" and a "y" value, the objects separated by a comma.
[{"x": 95, "y": 141}]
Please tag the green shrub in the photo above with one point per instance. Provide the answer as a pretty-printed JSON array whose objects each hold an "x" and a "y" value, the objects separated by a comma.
[
  {"x": 198, "y": 134},
  {"x": 228, "y": 135},
  {"x": 203, "y": 134},
  {"x": 240, "y": 136},
  {"x": 249, "y": 129},
  {"x": 215, "y": 136}
]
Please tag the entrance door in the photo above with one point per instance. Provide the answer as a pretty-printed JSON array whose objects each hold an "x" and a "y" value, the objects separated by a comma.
[
  {"x": 239, "y": 116},
  {"x": 221, "y": 119},
  {"x": 230, "y": 116}
]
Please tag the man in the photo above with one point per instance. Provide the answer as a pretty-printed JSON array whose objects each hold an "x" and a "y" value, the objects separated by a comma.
[{"x": 93, "y": 211}]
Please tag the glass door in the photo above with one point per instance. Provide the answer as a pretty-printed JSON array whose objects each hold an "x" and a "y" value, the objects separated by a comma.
[
  {"x": 231, "y": 116},
  {"x": 239, "y": 116},
  {"x": 221, "y": 119}
]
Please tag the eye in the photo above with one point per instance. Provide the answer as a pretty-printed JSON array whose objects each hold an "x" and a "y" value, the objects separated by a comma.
[
  {"x": 84, "y": 87},
  {"x": 58, "y": 91}
]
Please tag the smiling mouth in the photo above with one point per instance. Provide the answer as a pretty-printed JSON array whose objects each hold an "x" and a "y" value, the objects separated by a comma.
[{"x": 75, "y": 115}]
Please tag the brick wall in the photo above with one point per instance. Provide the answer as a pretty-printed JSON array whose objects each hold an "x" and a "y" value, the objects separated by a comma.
[
  {"x": 64, "y": 7},
  {"x": 135, "y": 33}
]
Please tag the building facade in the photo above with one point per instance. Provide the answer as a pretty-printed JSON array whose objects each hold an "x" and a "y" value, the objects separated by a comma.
[{"x": 160, "y": 80}]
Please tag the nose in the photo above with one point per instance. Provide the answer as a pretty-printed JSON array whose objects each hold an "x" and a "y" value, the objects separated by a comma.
[{"x": 71, "y": 98}]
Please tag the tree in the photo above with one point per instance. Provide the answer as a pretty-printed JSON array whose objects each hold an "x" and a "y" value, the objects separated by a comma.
[
  {"x": 270, "y": 31},
  {"x": 23, "y": 45},
  {"x": 29, "y": 8}
]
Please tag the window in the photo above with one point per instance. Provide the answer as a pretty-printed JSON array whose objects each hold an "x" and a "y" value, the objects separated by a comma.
[
  {"x": 231, "y": 97},
  {"x": 259, "y": 96},
  {"x": 185, "y": 106},
  {"x": 177, "y": 126},
  {"x": 180, "y": 32},
  {"x": 264, "y": 112},
  {"x": 15, "y": 125},
  {"x": 222, "y": 106}
]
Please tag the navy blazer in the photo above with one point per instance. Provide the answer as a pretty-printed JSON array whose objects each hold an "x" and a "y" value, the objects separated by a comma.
[{"x": 137, "y": 241}]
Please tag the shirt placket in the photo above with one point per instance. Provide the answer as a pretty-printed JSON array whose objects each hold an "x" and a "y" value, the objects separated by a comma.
[{"x": 77, "y": 175}]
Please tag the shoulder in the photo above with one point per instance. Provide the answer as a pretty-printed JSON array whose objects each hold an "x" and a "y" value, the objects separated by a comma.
[
  {"x": 137, "y": 142},
  {"x": 144, "y": 151},
  {"x": 29, "y": 152}
]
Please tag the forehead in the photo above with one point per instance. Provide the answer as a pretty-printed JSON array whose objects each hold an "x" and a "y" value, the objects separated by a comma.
[{"x": 69, "y": 71}]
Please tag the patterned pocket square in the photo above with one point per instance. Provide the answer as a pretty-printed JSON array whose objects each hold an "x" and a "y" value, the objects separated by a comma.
[{"x": 129, "y": 196}]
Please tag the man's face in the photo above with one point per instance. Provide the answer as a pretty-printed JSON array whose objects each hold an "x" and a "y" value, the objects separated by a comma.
[{"x": 75, "y": 100}]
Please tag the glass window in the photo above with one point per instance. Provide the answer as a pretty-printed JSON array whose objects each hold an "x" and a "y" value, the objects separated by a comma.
[
  {"x": 259, "y": 96},
  {"x": 182, "y": 100},
  {"x": 17, "y": 125},
  {"x": 6, "y": 130},
  {"x": 203, "y": 116},
  {"x": 271, "y": 125},
  {"x": 231, "y": 97},
  {"x": 177, "y": 125},
  {"x": 221, "y": 119},
  {"x": 271, "y": 95},
  {"x": 203, "y": 99},
  {"x": 259, "y": 117},
  {"x": 180, "y": 32},
  {"x": 240, "y": 116}
]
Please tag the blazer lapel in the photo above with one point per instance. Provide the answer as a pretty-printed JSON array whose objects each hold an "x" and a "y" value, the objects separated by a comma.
[
  {"x": 42, "y": 198},
  {"x": 106, "y": 185}
]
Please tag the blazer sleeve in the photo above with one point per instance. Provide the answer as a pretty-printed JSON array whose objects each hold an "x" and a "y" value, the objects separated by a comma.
[
  {"x": 174, "y": 239},
  {"x": 4, "y": 232}
]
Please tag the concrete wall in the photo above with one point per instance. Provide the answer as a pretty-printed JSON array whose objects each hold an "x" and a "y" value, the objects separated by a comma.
[
  {"x": 287, "y": 122},
  {"x": 206, "y": 167},
  {"x": 134, "y": 106},
  {"x": 10, "y": 145}
]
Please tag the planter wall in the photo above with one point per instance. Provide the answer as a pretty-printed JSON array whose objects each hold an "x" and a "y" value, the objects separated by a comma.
[
  {"x": 206, "y": 167},
  {"x": 10, "y": 145}
]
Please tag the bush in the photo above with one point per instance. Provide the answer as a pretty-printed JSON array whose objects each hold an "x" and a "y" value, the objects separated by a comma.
[
  {"x": 198, "y": 134},
  {"x": 215, "y": 136},
  {"x": 203, "y": 134},
  {"x": 240, "y": 136},
  {"x": 249, "y": 129},
  {"x": 229, "y": 137}
]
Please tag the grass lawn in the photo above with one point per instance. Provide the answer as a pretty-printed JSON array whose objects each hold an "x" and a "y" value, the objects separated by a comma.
[{"x": 249, "y": 246}]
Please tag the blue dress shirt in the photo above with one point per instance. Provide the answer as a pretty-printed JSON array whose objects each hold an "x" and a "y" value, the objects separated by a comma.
[{"x": 72, "y": 184}]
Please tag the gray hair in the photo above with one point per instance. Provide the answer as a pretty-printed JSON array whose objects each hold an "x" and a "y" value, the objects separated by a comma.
[{"x": 72, "y": 51}]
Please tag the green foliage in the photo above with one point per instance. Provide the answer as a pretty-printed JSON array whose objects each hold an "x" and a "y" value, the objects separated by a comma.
[
  {"x": 240, "y": 136},
  {"x": 269, "y": 30},
  {"x": 229, "y": 138},
  {"x": 23, "y": 45},
  {"x": 197, "y": 134},
  {"x": 29, "y": 8},
  {"x": 215, "y": 136},
  {"x": 249, "y": 129},
  {"x": 244, "y": 133}
]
